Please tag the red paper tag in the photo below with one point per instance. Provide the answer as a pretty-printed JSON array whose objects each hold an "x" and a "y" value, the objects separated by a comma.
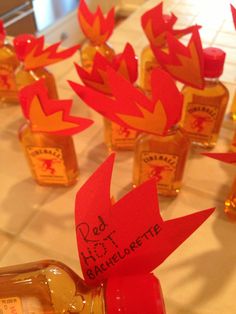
[
  {"x": 49, "y": 115},
  {"x": 36, "y": 56},
  {"x": 184, "y": 63},
  {"x": 124, "y": 63},
  {"x": 229, "y": 158},
  {"x": 130, "y": 108},
  {"x": 95, "y": 26},
  {"x": 130, "y": 236}
]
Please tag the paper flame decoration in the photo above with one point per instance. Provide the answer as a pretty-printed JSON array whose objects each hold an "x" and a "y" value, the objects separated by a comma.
[
  {"x": 233, "y": 10},
  {"x": 229, "y": 158},
  {"x": 128, "y": 237},
  {"x": 95, "y": 26},
  {"x": 184, "y": 63},
  {"x": 131, "y": 108},
  {"x": 49, "y": 115},
  {"x": 156, "y": 25},
  {"x": 36, "y": 56},
  {"x": 2, "y": 32},
  {"x": 124, "y": 63}
]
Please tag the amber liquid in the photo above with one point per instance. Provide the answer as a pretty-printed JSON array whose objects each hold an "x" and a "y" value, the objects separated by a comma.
[
  {"x": 148, "y": 63},
  {"x": 88, "y": 51},
  {"x": 51, "y": 157},
  {"x": 118, "y": 137},
  {"x": 233, "y": 144},
  {"x": 47, "y": 287},
  {"x": 204, "y": 111},
  {"x": 27, "y": 77},
  {"x": 8, "y": 64},
  {"x": 233, "y": 108},
  {"x": 230, "y": 203},
  {"x": 161, "y": 157}
]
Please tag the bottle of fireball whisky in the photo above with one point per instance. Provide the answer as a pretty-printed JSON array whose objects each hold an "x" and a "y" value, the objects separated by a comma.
[
  {"x": 163, "y": 158},
  {"x": 230, "y": 203},
  {"x": 51, "y": 157},
  {"x": 8, "y": 64},
  {"x": 50, "y": 287},
  {"x": 118, "y": 137},
  {"x": 26, "y": 77},
  {"x": 204, "y": 109}
]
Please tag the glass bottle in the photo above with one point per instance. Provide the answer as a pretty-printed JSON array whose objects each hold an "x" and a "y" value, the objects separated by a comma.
[
  {"x": 230, "y": 203},
  {"x": 88, "y": 51},
  {"x": 233, "y": 108},
  {"x": 50, "y": 287},
  {"x": 51, "y": 157},
  {"x": 204, "y": 109},
  {"x": 26, "y": 77},
  {"x": 161, "y": 157},
  {"x": 8, "y": 64},
  {"x": 233, "y": 144},
  {"x": 118, "y": 137}
]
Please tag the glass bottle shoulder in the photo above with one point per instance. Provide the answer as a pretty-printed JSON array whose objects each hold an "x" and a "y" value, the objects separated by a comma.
[{"x": 212, "y": 88}]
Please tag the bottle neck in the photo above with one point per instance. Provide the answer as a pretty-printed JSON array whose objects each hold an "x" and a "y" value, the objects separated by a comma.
[{"x": 211, "y": 80}]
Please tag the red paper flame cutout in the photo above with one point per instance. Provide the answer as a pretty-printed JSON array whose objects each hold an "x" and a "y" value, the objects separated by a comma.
[
  {"x": 233, "y": 10},
  {"x": 125, "y": 63},
  {"x": 183, "y": 63},
  {"x": 156, "y": 25},
  {"x": 2, "y": 32},
  {"x": 49, "y": 115},
  {"x": 128, "y": 237},
  {"x": 95, "y": 26},
  {"x": 131, "y": 108},
  {"x": 229, "y": 158},
  {"x": 36, "y": 56}
]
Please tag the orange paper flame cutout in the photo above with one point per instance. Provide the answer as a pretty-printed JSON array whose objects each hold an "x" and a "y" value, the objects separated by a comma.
[
  {"x": 125, "y": 63},
  {"x": 131, "y": 108},
  {"x": 49, "y": 115},
  {"x": 36, "y": 56},
  {"x": 233, "y": 10},
  {"x": 95, "y": 26},
  {"x": 156, "y": 25},
  {"x": 183, "y": 63}
]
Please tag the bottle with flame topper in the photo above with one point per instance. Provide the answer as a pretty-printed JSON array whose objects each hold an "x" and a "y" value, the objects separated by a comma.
[
  {"x": 26, "y": 76},
  {"x": 53, "y": 288},
  {"x": 204, "y": 108},
  {"x": 46, "y": 136},
  {"x": 162, "y": 157},
  {"x": 97, "y": 30},
  {"x": 8, "y": 64}
]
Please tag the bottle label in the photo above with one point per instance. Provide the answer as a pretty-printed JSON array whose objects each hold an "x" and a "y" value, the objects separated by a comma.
[
  {"x": 11, "y": 306},
  {"x": 47, "y": 164},
  {"x": 160, "y": 166},
  {"x": 201, "y": 117},
  {"x": 7, "y": 80},
  {"x": 122, "y": 137}
]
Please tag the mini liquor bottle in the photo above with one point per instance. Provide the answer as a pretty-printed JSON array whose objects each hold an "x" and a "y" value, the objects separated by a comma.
[
  {"x": 26, "y": 76},
  {"x": 50, "y": 287},
  {"x": 97, "y": 30},
  {"x": 204, "y": 108},
  {"x": 118, "y": 137},
  {"x": 51, "y": 157},
  {"x": 162, "y": 157},
  {"x": 8, "y": 64},
  {"x": 230, "y": 203}
]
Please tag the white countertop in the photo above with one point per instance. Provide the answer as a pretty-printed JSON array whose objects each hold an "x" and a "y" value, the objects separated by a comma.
[{"x": 38, "y": 223}]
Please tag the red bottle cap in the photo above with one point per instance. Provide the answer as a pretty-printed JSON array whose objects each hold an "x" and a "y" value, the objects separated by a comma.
[
  {"x": 134, "y": 295},
  {"x": 214, "y": 59},
  {"x": 21, "y": 42}
]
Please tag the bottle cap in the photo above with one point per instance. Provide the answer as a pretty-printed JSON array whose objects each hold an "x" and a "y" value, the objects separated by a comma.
[
  {"x": 134, "y": 295},
  {"x": 214, "y": 59},
  {"x": 21, "y": 43}
]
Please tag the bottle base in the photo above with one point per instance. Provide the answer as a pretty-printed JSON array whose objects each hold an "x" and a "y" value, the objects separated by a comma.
[
  {"x": 205, "y": 145},
  {"x": 164, "y": 193}
]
